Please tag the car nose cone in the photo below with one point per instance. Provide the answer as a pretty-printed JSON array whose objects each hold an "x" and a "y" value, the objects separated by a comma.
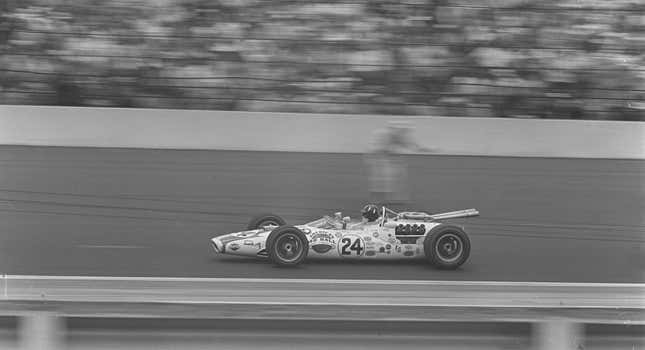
[{"x": 217, "y": 245}]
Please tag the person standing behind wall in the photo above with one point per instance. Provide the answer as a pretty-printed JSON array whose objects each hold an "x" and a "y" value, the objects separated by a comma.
[{"x": 387, "y": 167}]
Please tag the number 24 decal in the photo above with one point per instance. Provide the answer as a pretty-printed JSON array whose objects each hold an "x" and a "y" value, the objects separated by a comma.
[{"x": 349, "y": 246}]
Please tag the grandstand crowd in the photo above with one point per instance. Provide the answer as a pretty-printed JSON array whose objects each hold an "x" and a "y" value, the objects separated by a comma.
[{"x": 568, "y": 59}]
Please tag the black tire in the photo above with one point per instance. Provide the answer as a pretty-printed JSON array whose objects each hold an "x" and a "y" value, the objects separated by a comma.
[
  {"x": 287, "y": 246},
  {"x": 264, "y": 220},
  {"x": 447, "y": 247}
]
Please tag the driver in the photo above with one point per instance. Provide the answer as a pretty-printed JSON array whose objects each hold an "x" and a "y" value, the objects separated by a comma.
[{"x": 370, "y": 212}]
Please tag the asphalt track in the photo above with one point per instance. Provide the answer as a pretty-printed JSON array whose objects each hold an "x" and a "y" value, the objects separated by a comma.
[{"x": 124, "y": 212}]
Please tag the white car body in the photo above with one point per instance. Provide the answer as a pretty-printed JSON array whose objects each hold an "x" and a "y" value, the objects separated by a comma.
[{"x": 379, "y": 240}]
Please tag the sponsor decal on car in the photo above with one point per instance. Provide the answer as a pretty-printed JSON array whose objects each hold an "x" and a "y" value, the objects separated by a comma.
[
  {"x": 408, "y": 253},
  {"x": 234, "y": 246},
  {"x": 375, "y": 234},
  {"x": 248, "y": 242},
  {"x": 239, "y": 235},
  {"x": 368, "y": 239},
  {"x": 322, "y": 242},
  {"x": 387, "y": 246},
  {"x": 381, "y": 250},
  {"x": 351, "y": 245},
  {"x": 370, "y": 253},
  {"x": 321, "y": 248},
  {"x": 398, "y": 248},
  {"x": 323, "y": 237},
  {"x": 392, "y": 240},
  {"x": 409, "y": 247}
]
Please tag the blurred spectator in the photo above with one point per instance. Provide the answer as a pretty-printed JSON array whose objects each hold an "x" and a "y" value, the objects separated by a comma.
[
  {"x": 387, "y": 166},
  {"x": 573, "y": 59}
]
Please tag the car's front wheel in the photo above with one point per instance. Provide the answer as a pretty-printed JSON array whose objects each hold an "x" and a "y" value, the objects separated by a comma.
[
  {"x": 287, "y": 246},
  {"x": 447, "y": 246},
  {"x": 265, "y": 220}
]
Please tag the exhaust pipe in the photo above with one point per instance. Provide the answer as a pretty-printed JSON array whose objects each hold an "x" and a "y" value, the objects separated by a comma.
[
  {"x": 442, "y": 216},
  {"x": 455, "y": 214}
]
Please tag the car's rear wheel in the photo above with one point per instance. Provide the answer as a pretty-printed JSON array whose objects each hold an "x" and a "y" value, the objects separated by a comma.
[
  {"x": 287, "y": 246},
  {"x": 265, "y": 220},
  {"x": 447, "y": 246}
]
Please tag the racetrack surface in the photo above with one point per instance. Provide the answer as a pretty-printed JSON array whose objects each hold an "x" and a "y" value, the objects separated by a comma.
[{"x": 125, "y": 212}]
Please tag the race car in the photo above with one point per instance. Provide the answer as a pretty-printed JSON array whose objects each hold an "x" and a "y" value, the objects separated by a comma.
[{"x": 381, "y": 234}]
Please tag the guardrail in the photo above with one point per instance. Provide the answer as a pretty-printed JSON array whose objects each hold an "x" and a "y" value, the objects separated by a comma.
[
  {"x": 549, "y": 315},
  {"x": 336, "y": 133}
]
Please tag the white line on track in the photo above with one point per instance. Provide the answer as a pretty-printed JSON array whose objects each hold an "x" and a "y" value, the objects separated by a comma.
[
  {"x": 336, "y": 292},
  {"x": 396, "y": 304},
  {"x": 327, "y": 281}
]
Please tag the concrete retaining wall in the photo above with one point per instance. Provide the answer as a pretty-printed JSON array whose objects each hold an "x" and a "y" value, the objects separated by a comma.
[{"x": 192, "y": 129}]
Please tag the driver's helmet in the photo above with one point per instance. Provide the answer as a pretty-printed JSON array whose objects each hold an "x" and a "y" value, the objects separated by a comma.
[{"x": 370, "y": 212}]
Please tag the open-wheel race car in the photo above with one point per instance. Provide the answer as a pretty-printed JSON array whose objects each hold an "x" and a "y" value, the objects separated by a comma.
[{"x": 381, "y": 234}]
